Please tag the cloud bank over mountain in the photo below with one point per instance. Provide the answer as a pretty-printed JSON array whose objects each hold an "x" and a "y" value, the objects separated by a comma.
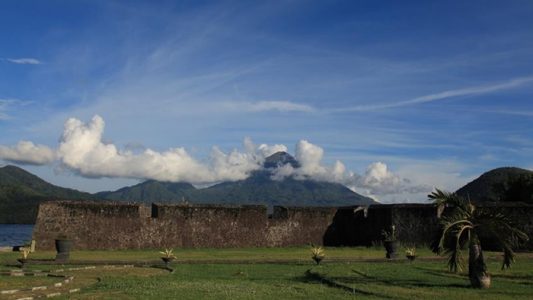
[
  {"x": 26, "y": 152},
  {"x": 82, "y": 150}
]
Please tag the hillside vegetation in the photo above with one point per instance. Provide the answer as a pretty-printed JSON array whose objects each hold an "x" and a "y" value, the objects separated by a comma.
[
  {"x": 501, "y": 185},
  {"x": 259, "y": 188},
  {"x": 21, "y": 192}
]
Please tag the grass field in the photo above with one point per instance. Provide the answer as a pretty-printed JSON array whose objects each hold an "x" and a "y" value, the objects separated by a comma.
[{"x": 342, "y": 275}]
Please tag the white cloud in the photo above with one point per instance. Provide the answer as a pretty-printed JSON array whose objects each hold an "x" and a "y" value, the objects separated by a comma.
[
  {"x": 24, "y": 61},
  {"x": 468, "y": 91},
  {"x": 26, "y": 152},
  {"x": 378, "y": 180},
  {"x": 263, "y": 150},
  {"x": 82, "y": 150},
  {"x": 260, "y": 106},
  {"x": 309, "y": 156}
]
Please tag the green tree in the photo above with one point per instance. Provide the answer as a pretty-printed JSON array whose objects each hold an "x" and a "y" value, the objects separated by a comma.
[{"x": 463, "y": 223}]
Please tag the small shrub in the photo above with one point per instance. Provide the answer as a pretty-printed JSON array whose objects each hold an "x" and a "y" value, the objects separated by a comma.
[
  {"x": 25, "y": 252},
  {"x": 317, "y": 254},
  {"x": 168, "y": 253},
  {"x": 410, "y": 251}
]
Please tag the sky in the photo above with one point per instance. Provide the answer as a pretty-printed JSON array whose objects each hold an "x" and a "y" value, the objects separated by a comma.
[{"x": 390, "y": 98}]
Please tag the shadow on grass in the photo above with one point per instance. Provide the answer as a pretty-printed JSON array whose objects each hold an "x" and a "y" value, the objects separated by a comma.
[
  {"x": 514, "y": 277},
  {"x": 443, "y": 274},
  {"x": 350, "y": 283},
  {"x": 406, "y": 282},
  {"x": 316, "y": 277},
  {"x": 518, "y": 279}
]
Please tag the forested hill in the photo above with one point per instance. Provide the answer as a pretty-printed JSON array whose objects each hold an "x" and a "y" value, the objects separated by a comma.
[
  {"x": 507, "y": 184},
  {"x": 21, "y": 192},
  {"x": 258, "y": 188}
]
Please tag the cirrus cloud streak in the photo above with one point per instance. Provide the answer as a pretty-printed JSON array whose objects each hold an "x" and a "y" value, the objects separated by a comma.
[{"x": 24, "y": 61}]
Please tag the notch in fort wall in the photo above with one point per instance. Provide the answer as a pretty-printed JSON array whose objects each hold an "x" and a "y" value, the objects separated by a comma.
[{"x": 155, "y": 211}]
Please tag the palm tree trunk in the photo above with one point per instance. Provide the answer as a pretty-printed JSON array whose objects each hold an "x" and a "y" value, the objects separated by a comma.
[{"x": 477, "y": 270}]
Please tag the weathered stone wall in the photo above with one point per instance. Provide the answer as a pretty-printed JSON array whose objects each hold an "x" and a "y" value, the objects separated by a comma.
[
  {"x": 96, "y": 225},
  {"x": 90, "y": 224},
  {"x": 104, "y": 225},
  {"x": 290, "y": 226},
  {"x": 204, "y": 226}
]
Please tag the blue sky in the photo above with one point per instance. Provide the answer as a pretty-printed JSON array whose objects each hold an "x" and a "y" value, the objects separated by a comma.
[{"x": 438, "y": 91}]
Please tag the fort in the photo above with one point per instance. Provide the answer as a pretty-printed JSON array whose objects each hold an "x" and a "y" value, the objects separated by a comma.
[{"x": 107, "y": 225}]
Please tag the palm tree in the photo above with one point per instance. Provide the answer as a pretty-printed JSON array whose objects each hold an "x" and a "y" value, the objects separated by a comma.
[{"x": 463, "y": 225}]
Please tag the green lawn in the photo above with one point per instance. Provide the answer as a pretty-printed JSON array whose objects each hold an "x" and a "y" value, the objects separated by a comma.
[
  {"x": 221, "y": 276},
  {"x": 295, "y": 254}
]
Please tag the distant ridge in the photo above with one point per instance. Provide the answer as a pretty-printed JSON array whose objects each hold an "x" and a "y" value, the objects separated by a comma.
[
  {"x": 258, "y": 188},
  {"x": 21, "y": 192},
  {"x": 151, "y": 191},
  {"x": 501, "y": 184}
]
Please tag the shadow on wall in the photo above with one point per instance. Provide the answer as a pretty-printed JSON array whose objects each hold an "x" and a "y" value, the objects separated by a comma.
[
  {"x": 416, "y": 225},
  {"x": 357, "y": 226}
]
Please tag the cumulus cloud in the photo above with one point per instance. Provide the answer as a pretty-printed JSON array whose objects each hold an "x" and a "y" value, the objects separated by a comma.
[
  {"x": 24, "y": 61},
  {"x": 83, "y": 150},
  {"x": 376, "y": 182},
  {"x": 26, "y": 152},
  {"x": 309, "y": 156}
]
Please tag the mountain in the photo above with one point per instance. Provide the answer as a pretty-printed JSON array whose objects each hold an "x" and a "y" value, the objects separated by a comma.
[
  {"x": 502, "y": 184},
  {"x": 259, "y": 188},
  {"x": 280, "y": 159},
  {"x": 151, "y": 191},
  {"x": 21, "y": 192}
]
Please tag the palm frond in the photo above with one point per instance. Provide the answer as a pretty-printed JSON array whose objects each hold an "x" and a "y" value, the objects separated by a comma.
[
  {"x": 503, "y": 230},
  {"x": 443, "y": 199},
  {"x": 455, "y": 259},
  {"x": 451, "y": 227},
  {"x": 453, "y": 240}
]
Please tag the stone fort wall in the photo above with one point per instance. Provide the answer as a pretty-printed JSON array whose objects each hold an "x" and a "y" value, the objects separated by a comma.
[
  {"x": 106, "y": 225},
  {"x": 99, "y": 225}
]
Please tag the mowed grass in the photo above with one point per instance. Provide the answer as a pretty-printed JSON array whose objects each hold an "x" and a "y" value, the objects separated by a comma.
[
  {"x": 425, "y": 280},
  {"x": 10, "y": 283},
  {"x": 362, "y": 280},
  {"x": 210, "y": 254},
  {"x": 294, "y": 277}
]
